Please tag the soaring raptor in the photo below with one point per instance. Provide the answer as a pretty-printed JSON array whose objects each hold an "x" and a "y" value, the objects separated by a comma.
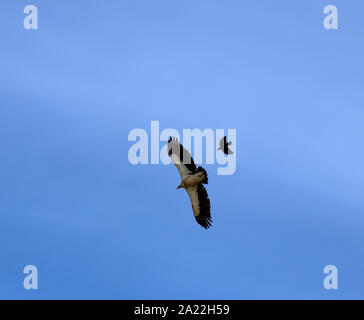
[
  {"x": 192, "y": 180},
  {"x": 224, "y": 146}
]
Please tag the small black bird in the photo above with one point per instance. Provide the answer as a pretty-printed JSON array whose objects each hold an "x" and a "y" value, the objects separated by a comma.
[{"x": 224, "y": 146}]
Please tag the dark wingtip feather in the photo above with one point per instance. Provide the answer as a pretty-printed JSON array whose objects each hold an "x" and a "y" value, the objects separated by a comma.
[
  {"x": 204, "y": 218},
  {"x": 205, "y": 222}
]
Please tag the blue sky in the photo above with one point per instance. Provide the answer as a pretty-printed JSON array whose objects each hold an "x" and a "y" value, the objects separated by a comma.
[{"x": 98, "y": 227}]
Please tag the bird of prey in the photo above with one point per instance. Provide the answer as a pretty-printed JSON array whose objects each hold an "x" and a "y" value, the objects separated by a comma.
[
  {"x": 192, "y": 180},
  {"x": 224, "y": 146}
]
